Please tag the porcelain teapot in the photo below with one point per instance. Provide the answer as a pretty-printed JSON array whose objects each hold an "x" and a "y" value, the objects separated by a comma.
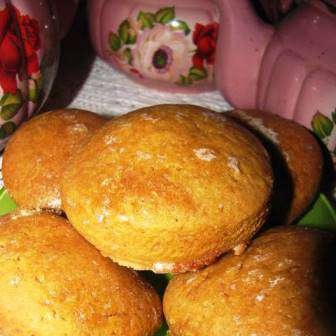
[
  {"x": 289, "y": 70},
  {"x": 199, "y": 45},
  {"x": 28, "y": 60},
  {"x": 165, "y": 44}
]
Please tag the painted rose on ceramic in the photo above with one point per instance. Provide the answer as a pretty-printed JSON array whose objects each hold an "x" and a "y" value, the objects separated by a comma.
[
  {"x": 205, "y": 38},
  {"x": 162, "y": 54},
  {"x": 162, "y": 47},
  {"x": 20, "y": 64}
]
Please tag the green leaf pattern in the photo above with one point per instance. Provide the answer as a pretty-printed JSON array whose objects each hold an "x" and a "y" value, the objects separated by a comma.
[
  {"x": 322, "y": 125},
  {"x": 325, "y": 128},
  {"x": 10, "y": 105},
  {"x": 126, "y": 33},
  {"x": 165, "y": 15},
  {"x": 180, "y": 25},
  {"x": 114, "y": 42},
  {"x": 197, "y": 74},
  {"x": 128, "y": 55},
  {"x": 146, "y": 20}
]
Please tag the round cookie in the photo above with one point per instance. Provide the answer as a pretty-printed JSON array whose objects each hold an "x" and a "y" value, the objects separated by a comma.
[
  {"x": 36, "y": 155},
  {"x": 173, "y": 187},
  {"x": 284, "y": 284},
  {"x": 54, "y": 283},
  {"x": 296, "y": 159}
]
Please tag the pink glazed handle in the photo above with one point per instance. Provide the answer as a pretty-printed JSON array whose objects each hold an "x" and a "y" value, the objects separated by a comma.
[{"x": 242, "y": 41}]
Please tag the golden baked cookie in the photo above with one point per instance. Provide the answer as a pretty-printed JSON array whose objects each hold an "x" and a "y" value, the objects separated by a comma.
[
  {"x": 296, "y": 159},
  {"x": 36, "y": 155},
  {"x": 168, "y": 188},
  {"x": 54, "y": 283},
  {"x": 284, "y": 284}
]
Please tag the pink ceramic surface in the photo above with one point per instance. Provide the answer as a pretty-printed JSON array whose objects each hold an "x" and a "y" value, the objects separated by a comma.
[
  {"x": 28, "y": 60},
  {"x": 161, "y": 43}
]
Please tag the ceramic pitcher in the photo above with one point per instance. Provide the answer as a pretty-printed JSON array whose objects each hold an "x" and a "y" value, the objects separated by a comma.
[
  {"x": 164, "y": 44},
  {"x": 28, "y": 60}
]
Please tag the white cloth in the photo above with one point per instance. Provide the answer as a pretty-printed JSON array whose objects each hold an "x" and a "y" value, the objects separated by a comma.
[
  {"x": 93, "y": 85},
  {"x": 109, "y": 92}
]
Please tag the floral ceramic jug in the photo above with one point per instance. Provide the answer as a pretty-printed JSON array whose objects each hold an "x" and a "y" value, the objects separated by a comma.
[
  {"x": 28, "y": 60},
  {"x": 161, "y": 43},
  {"x": 197, "y": 45}
]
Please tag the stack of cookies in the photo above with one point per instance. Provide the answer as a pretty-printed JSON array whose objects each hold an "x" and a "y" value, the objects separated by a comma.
[{"x": 169, "y": 189}]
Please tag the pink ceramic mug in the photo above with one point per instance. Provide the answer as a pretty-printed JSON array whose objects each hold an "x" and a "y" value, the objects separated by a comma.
[
  {"x": 165, "y": 44},
  {"x": 28, "y": 60}
]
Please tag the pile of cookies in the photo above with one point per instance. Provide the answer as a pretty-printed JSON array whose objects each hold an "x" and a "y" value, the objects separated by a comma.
[{"x": 172, "y": 189}]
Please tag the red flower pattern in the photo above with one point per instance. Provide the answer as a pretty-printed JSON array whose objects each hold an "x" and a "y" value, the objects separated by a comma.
[
  {"x": 198, "y": 61},
  {"x": 205, "y": 38},
  {"x": 10, "y": 55},
  {"x": 30, "y": 29},
  {"x": 12, "y": 41}
]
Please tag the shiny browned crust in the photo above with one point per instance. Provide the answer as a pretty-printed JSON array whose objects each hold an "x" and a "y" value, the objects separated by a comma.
[
  {"x": 53, "y": 282},
  {"x": 301, "y": 158},
  {"x": 36, "y": 155},
  {"x": 284, "y": 284},
  {"x": 173, "y": 187}
]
